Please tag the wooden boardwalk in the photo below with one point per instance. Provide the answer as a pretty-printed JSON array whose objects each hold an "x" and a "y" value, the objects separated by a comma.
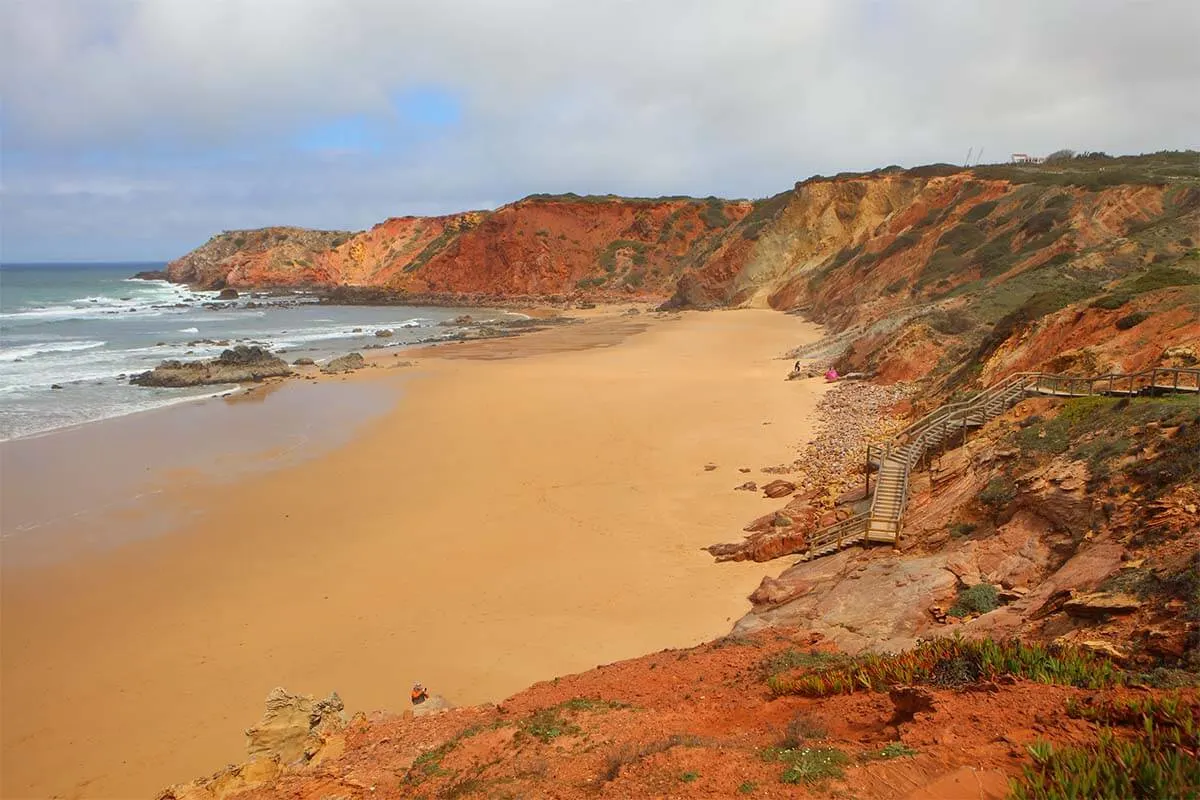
[{"x": 948, "y": 425}]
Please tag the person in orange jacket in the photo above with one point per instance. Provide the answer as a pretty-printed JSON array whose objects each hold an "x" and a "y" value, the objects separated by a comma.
[{"x": 419, "y": 694}]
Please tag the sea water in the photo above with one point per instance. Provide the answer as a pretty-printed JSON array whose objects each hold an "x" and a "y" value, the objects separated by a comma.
[{"x": 72, "y": 334}]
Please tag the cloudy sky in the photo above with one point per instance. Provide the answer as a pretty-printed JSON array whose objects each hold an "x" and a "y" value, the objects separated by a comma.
[{"x": 134, "y": 129}]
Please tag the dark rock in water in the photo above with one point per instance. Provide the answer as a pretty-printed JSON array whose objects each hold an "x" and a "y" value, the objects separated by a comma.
[
  {"x": 384, "y": 333},
  {"x": 152, "y": 275},
  {"x": 56, "y": 386},
  {"x": 237, "y": 365},
  {"x": 356, "y": 330},
  {"x": 347, "y": 363},
  {"x": 228, "y": 294},
  {"x": 252, "y": 304},
  {"x": 459, "y": 321},
  {"x": 303, "y": 362}
]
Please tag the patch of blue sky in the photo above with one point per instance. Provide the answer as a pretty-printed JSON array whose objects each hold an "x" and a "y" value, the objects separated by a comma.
[
  {"x": 428, "y": 106},
  {"x": 415, "y": 115},
  {"x": 355, "y": 133}
]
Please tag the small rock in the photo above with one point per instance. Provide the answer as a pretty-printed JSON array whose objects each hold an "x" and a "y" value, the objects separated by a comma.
[
  {"x": 303, "y": 362},
  {"x": 228, "y": 294},
  {"x": 743, "y": 469},
  {"x": 1103, "y": 648},
  {"x": 384, "y": 333},
  {"x": 56, "y": 386},
  {"x": 709, "y": 467},
  {"x": 748, "y": 486},
  {"x": 1011, "y": 595}
]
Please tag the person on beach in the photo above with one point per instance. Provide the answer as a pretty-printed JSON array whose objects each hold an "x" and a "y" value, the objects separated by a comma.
[
  {"x": 419, "y": 695},
  {"x": 831, "y": 375}
]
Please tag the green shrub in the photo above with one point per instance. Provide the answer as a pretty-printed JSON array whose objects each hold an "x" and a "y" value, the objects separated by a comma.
[
  {"x": 1131, "y": 320},
  {"x": 999, "y": 492},
  {"x": 890, "y": 751},
  {"x": 991, "y": 257},
  {"x": 689, "y": 776},
  {"x": 954, "y": 321},
  {"x": 1059, "y": 200},
  {"x": 962, "y": 238},
  {"x": 792, "y": 658},
  {"x": 1051, "y": 436},
  {"x": 900, "y": 243},
  {"x": 941, "y": 265},
  {"x": 1161, "y": 278},
  {"x": 945, "y": 661},
  {"x": 895, "y": 286},
  {"x": 591, "y": 704},
  {"x": 1110, "y": 302},
  {"x": 713, "y": 214},
  {"x": 980, "y": 211},
  {"x": 802, "y": 729},
  {"x": 809, "y": 764},
  {"x": 608, "y": 256},
  {"x": 978, "y": 599},
  {"x": 747, "y": 787},
  {"x": 961, "y": 529},
  {"x": 1042, "y": 222},
  {"x": 1153, "y": 758},
  {"x": 547, "y": 724}
]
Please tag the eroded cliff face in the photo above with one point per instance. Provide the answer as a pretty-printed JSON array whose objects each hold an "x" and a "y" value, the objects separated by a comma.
[
  {"x": 540, "y": 246},
  {"x": 278, "y": 256},
  {"x": 921, "y": 270}
]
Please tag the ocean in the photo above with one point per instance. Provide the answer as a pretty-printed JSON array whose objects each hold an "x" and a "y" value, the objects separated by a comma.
[{"x": 85, "y": 328}]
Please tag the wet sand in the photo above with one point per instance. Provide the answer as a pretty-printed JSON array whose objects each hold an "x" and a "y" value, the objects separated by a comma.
[{"x": 528, "y": 507}]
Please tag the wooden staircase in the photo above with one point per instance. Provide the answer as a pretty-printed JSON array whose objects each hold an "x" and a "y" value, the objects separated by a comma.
[{"x": 940, "y": 428}]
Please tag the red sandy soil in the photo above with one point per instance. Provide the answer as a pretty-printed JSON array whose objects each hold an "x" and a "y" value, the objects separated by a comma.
[{"x": 694, "y": 723}]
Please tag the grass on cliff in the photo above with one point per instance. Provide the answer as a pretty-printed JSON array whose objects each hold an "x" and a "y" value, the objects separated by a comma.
[
  {"x": 953, "y": 662},
  {"x": 808, "y": 764},
  {"x": 1145, "y": 748},
  {"x": 1100, "y": 171}
]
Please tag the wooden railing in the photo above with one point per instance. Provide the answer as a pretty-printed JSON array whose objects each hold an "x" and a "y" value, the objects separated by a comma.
[{"x": 889, "y": 500}]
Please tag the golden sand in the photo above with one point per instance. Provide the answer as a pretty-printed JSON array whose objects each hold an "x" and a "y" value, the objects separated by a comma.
[{"x": 527, "y": 509}]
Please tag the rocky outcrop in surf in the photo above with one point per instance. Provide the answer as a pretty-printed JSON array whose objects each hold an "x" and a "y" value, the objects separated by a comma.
[{"x": 244, "y": 363}]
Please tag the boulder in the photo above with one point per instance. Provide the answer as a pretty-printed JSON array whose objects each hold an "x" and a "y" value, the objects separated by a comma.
[
  {"x": 460, "y": 321},
  {"x": 228, "y": 294},
  {"x": 346, "y": 363},
  {"x": 384, "y": 333},
  {"x": 909, "y": 701},
  {"x": 434, "y": 704},
  {"x": 779, "y": 488},
  {"x": 237, "y": 365},
  {"x": 772, "y": 592},
  {"x": 151, "y": 275},
  {"x": 293, "y": 726},
  {"x": 303, "y": 362}
]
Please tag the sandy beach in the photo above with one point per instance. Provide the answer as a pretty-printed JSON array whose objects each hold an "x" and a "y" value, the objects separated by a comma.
[{"x": 520, "y": 509}]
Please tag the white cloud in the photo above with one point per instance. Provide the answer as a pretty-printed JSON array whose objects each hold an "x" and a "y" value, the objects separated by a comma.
[{"x": 654, "y": 96}]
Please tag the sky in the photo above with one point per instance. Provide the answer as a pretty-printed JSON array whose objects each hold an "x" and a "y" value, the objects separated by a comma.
[{"x": 136, "y": 129}]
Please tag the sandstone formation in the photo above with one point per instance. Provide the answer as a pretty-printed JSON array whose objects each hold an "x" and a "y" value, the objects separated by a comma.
[
  {"x": 291, "y": 726},
  {"x": 237, "y": 365}
]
